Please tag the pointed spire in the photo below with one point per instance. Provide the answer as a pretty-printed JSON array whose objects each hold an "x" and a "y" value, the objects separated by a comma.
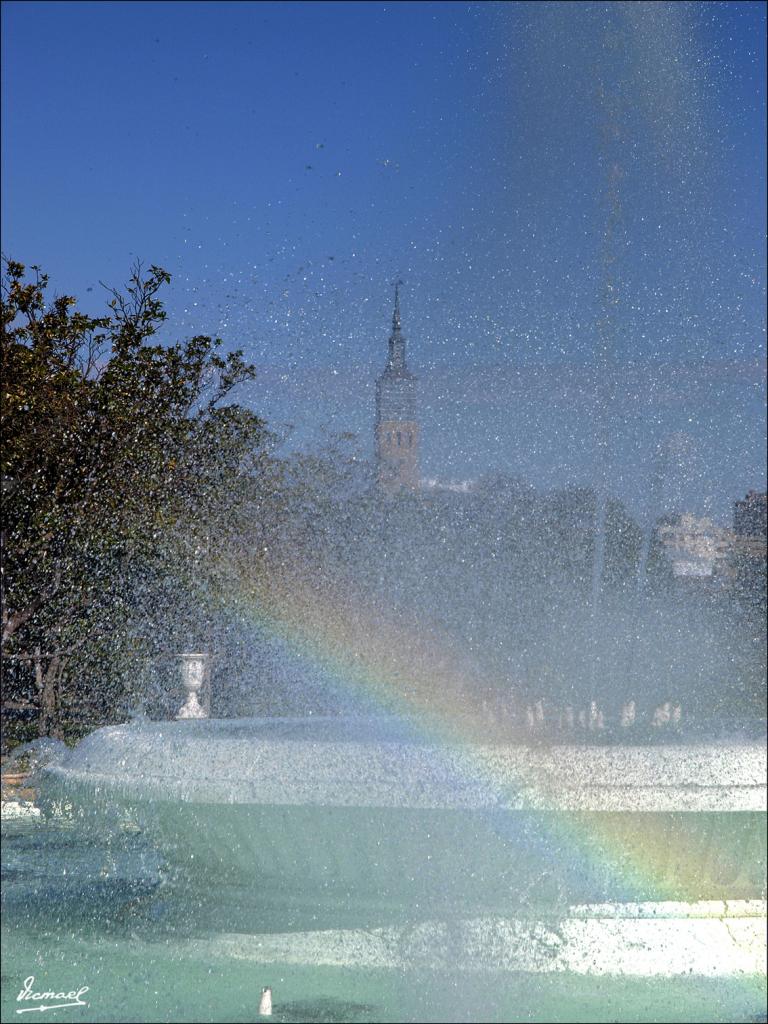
[
  {"x": 396, "y": 362},
  {"x": 396, "y": 313}
]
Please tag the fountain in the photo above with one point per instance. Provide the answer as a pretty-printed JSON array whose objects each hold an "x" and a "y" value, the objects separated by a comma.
[
  {"x": 362, "y": 821},
  {"x": 535, "y": 799}
]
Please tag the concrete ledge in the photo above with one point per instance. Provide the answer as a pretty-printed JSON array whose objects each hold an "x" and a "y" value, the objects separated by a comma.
[
  {"x": 671, "y": 908},
  {"x": 308, "y": 763},
  {"x": 640, "y": 940}
]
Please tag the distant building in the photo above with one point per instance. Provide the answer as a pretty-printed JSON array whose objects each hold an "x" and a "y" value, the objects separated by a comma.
[
  {"x": 697, "y": 547},
  {"x": 750, "y": 516},
  {"x": 397, "y": 428}
]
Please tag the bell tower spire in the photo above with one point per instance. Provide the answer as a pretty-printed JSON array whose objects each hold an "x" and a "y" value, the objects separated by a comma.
[
  {"x": 396, "y": 339},
  {"x": 396, "y": 313},
  {"x": 397, "y": 430}
]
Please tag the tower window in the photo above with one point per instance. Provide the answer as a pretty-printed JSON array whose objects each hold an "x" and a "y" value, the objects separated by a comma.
[
  {"x": 410, "y": 439},
  {"x": 399, "y": 439}
]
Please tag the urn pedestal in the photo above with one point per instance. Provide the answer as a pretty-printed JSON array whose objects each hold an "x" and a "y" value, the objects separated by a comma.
[{"x": 192, "y": 677}]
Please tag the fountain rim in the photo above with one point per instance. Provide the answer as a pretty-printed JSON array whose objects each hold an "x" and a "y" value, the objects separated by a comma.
[{"x": 255, "y": 767}]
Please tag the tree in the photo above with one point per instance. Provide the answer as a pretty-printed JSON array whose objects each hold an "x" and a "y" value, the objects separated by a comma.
[{"x": 113, "y": 444}]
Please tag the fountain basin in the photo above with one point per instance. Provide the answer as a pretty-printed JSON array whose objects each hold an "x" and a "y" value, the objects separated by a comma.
[{"x": 320, "y": 813}]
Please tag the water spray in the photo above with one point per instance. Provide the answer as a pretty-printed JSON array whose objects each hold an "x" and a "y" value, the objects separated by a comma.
[{"x": 265, "y": 1003}]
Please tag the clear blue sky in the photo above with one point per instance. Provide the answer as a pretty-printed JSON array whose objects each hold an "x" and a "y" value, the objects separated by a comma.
[{"x": 286, "y": 161}]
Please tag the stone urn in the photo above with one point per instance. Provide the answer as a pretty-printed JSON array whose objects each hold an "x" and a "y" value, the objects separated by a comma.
[{"x": 193, "y": 677}]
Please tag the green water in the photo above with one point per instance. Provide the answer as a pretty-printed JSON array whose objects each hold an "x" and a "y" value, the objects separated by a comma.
[
  {"x": 80, "y": 912},
  {"x": 489, "y": 857},
  {"x": 136, "y": 981}
]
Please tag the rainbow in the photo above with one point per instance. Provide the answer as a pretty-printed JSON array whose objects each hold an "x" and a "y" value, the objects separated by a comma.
[{"x": 417, "y": 675}]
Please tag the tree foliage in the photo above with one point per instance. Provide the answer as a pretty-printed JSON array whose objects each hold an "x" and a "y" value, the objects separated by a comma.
[{"x": 114, "y": 443}]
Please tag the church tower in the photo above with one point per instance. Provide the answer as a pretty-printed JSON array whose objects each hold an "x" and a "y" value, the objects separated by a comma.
[{"x": 397, "y": 432}]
